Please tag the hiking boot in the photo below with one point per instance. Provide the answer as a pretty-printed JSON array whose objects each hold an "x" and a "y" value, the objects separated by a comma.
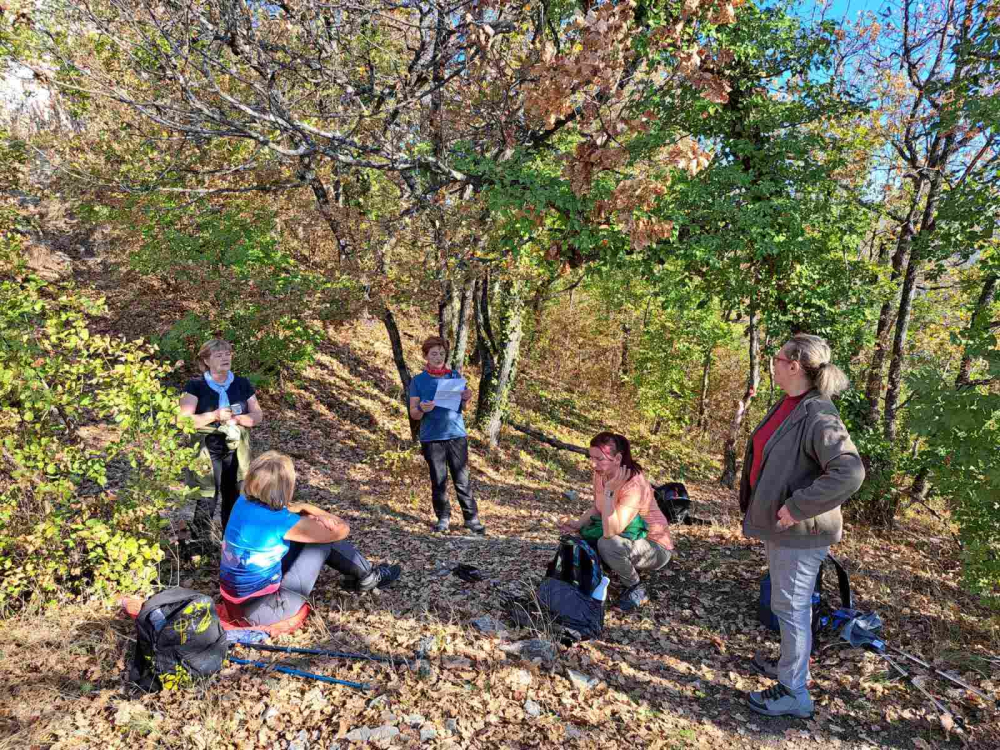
[
  {"x": 380, "y": 577},
  {"x": 474, "y": 525},
  {"x": 766, "y": 667},
  {"x": 441, "y": 526},
  {"x": 778, "y": 700},
  {"x": 632, "y": 598}
]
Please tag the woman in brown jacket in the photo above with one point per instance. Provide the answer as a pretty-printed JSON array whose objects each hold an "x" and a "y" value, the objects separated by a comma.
[{"x": 800, "y": 467}]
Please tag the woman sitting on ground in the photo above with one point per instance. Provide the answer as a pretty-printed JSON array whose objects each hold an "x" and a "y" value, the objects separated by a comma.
[
  {"x": 223, "y": 407},
  {"x": 800, "y": 466},
  {"x": 443, "y": 438},
  {"x": 273, "y": 549},
  {"x": 621, "y": 494}
]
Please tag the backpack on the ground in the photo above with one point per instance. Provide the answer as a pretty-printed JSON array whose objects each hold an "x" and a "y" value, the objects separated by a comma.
[
  {"x": 820, "y": 614},
  {"x": 674, "y": 503},
  {"x": 573, "y": 574},
  {"x": 178, "y": 639}
]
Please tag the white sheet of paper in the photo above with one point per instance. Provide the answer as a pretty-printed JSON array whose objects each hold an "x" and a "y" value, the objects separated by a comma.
[{"x": 449, "y": 393}]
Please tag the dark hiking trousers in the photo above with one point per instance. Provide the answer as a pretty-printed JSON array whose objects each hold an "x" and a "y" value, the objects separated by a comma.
[
  {"x": 225, "y": 469},
  {"x": 299, "y": 570},
  {"x": 449, "y": 455}
]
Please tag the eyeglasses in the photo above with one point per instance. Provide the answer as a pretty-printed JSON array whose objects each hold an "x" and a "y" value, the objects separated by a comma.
[{"x": 776, "y": 358}]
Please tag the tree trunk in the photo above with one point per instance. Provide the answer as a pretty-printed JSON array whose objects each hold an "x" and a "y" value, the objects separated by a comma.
[
  {"x": 873, "y": 387},
  {"x": 623, "y": 367},
  {"x": 986, "y": 297},
  {"x": 728, "y": 478},
  {"x": 706, "y": 369},
  {"x": 484, "y": 353},
  {"x": 461, "y": 343},
  {"x": 446, "y": 312},
  {"x": 896, "y": 365},
  {"x": 404, "y": 372},
  {"x": 494, "y": 395}
]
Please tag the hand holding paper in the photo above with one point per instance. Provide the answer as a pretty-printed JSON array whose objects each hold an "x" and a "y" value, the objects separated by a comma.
[{"x": 449, "y": 393}]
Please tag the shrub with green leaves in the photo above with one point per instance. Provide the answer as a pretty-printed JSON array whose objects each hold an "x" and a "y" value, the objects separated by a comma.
[
  {"x": 240, "y": 284},
  {"x": 90, "y": 450},
  {"x": 961, "y": 428}
]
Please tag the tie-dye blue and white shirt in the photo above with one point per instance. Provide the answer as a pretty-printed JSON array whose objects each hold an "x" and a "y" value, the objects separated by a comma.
[{"x": 252, "y": 549}]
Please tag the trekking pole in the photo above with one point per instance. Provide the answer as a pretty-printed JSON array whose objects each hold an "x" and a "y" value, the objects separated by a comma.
[
  {"x": 947, "y": 676},
  {"x": 299, "y": 673},
  {"x": 906, "y": 676},
  {"x": 317, "y": 652}
]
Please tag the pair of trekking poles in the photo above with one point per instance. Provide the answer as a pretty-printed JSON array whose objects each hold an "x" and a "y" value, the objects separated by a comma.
[
  {"x": 363, "y": 686},
  {"x": 858, "y": 629}
]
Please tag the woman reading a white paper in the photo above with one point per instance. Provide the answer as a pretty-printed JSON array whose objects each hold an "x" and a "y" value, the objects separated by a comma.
[{"x": 443, "y": 439}]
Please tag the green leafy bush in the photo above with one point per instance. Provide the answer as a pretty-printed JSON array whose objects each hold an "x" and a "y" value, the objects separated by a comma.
[
  {"x": 961, "y": 427},
  {"x": 241, "y": 285},
  {"x": 80, "y": 414}
]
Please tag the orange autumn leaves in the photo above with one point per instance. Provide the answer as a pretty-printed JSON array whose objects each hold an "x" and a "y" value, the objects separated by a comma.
[{"x": 595, "y": 81}]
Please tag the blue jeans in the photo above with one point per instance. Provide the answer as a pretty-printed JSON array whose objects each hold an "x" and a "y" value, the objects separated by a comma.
[
  {"x": 793, "y": 580},
  {"x": 299, "y": 570}
]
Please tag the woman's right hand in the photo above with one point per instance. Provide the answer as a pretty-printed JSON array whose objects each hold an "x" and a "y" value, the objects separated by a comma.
[
  {"x": 568, "y": 526},
  {"x": 426, "y": 406},
  {"x": 224, "y": 415}
]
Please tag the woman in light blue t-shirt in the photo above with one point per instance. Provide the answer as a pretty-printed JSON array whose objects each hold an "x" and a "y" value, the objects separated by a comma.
[
  {"x": 273, "y": 550},
  {"x": 443, "y": 438}
]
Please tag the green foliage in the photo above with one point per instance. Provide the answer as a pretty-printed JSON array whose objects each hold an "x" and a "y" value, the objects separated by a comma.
[
  {"x": 961, "y": 431},
  {"x": 80, "y": 413},
  {"x": 245, "y": 288}
]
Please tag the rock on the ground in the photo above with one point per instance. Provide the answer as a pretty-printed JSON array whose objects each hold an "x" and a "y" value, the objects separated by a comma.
[
  {"x": 301, "y": 741},
  {"x": 519, "y": 679},
  {"x": 533, "y": 648},
  {"x": 532, "y": 709},
  {"x": 456, "y": 662},
  {"x": 270, "y": 714},
  {"x": 451, "y": 725},
  {"x": 368, "y": 734},
  {"x": 571, "y": 495},
  {"x": 425, "y": 646},
  {"x": 415, "y": 720},
  {"x": 427, "y": 734},
  {"x": 580, "y": 680},
  {"x": 487, "y": 624},
  {"x": 572, "y": 733}
]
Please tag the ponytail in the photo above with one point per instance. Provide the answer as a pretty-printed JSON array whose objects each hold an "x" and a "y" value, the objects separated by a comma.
[
  {"x": 813, "y": 353},
  {"x": 618, "y": 444}
]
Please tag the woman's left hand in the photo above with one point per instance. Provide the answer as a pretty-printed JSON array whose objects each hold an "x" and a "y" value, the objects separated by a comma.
[
  {"x": 331, "y": 523},
  {"x": 466, "y": 395},
  {"x": 785, "y": 520},
  {"x": 244, "y": 420}
]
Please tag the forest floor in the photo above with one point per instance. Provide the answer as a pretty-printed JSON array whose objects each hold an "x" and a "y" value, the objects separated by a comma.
[{"x": 673, "y": 675}]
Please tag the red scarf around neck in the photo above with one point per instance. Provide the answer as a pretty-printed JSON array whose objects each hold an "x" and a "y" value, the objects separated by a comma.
[{"x": 438, "y": 373}]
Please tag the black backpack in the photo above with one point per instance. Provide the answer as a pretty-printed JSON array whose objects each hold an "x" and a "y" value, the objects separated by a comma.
[
  {"x": 178, "y": 639},
  {"x": 565, "y": 592},
  {"x": 820, "y": 608},
  {"x": 675, "y": 504}
]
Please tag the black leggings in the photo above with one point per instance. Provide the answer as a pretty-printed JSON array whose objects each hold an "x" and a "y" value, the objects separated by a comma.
[
  {"x": 299, "y": 570},
  {"x": 225, "y": 469}
]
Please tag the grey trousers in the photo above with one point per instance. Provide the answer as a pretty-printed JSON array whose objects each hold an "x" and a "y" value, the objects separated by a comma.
[
  {"x": 793, "y": 580},
  {"x": 299, "y": 570},
  {"x": 627, "y": 558}
]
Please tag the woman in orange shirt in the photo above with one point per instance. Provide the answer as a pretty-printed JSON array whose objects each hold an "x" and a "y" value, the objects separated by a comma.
[{"x": 621, "y": 492}]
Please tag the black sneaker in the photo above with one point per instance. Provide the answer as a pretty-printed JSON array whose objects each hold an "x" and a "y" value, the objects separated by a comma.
[
  {"x": 632, "y": 598},
  {"x": 380, "y": 577},
  {"x": 441, "y": 526},
  {"x": 474, "y": 525}
]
